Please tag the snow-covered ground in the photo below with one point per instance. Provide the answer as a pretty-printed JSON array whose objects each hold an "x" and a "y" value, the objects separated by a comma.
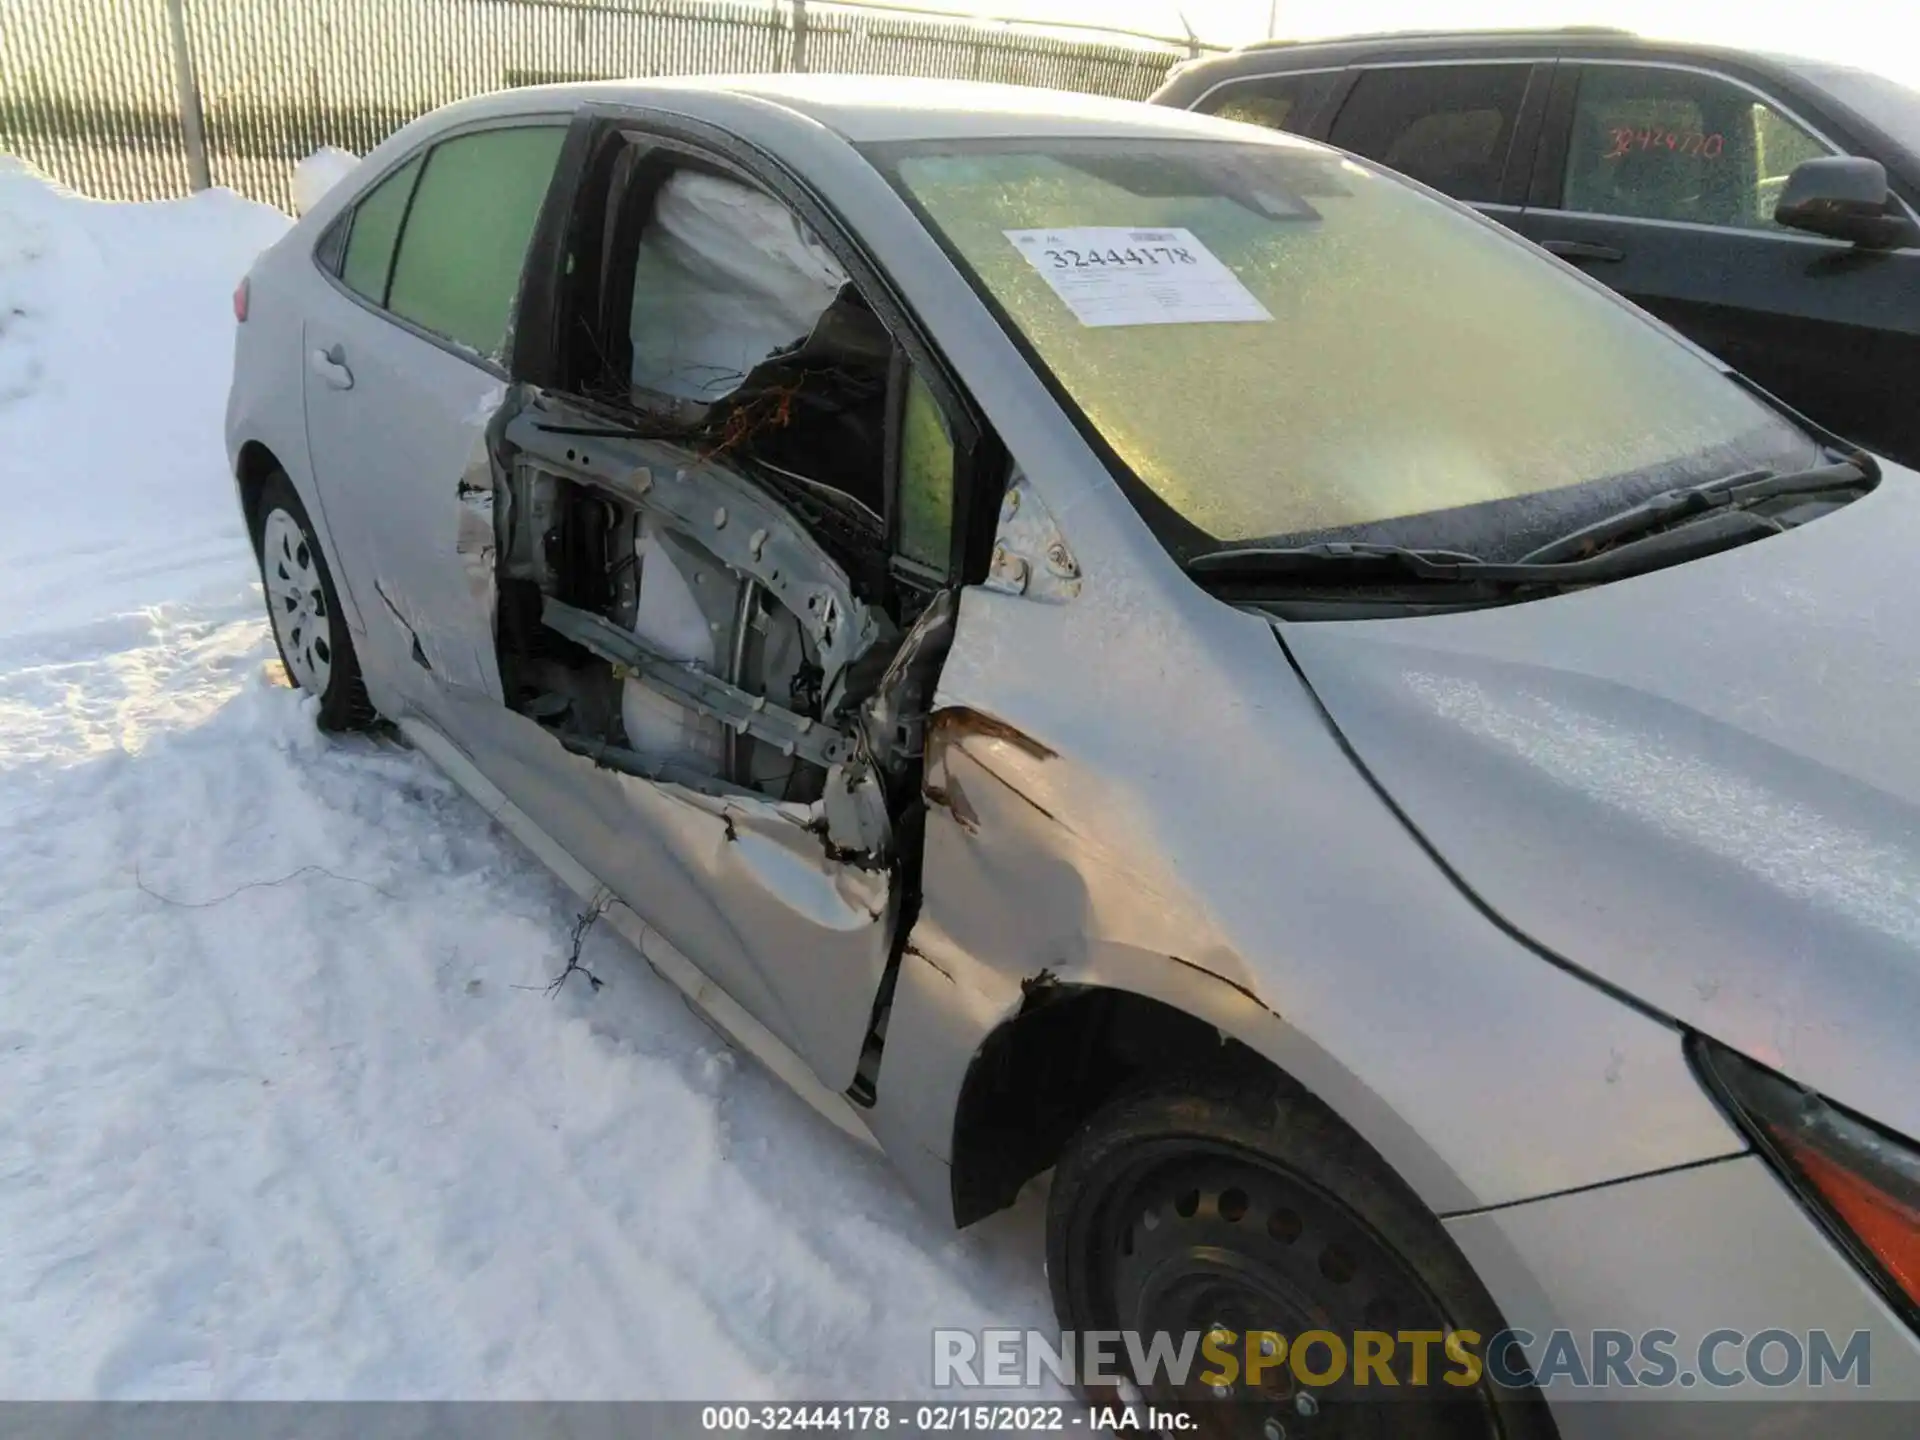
[{"x": 284, "y": 1111}]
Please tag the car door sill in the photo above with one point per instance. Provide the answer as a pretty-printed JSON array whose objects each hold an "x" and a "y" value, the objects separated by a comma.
[{"x": 714, "y": 1004}]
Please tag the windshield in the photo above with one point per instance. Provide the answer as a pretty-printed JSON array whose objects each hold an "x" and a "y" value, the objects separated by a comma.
[
  {"x": 1275, "y": 340},
  {"x": 1886, "y": 103}
]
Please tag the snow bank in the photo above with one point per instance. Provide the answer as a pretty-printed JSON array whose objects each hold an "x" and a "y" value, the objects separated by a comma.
[
  {"x": 288, "y": 1113},
  {"x": 319, "y": 173},
  {"x": 116, "y": 341}
]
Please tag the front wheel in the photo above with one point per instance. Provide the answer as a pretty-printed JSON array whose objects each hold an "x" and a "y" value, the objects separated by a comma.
[
  {"x": 304, "y": 608},
  {"x": 1244, "y": 1213}
]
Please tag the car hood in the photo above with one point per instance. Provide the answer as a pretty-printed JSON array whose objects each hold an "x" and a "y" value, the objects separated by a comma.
[{"x": 1700, "y": 786}]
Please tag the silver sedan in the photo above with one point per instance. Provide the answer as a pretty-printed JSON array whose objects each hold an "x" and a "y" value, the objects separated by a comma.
[{"x": 1096, "y": 639}]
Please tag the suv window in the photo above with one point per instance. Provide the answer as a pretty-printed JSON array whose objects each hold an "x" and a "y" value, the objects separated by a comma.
[
  {"x": 1446, "y": 126},
  {"x": 1663, "y": 144},
  {"x": 1279, "y": 102},
  {"x": 373, "y": 229},
  {"x": 458, "y": 269}
]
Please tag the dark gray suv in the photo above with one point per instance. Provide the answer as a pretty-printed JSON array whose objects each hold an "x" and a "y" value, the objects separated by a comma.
[{"x": 1704, "y": 184}]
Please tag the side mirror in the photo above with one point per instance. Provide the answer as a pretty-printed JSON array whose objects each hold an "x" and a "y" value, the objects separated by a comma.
[{"x": 1843, "y": 197}]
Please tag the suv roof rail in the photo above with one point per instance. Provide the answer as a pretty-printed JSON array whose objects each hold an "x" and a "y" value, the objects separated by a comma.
[{"x": 1463, "y": 34}]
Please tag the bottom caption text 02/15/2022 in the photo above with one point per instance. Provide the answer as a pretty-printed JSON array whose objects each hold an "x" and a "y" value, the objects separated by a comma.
[{"x": 935, "y": 1418}]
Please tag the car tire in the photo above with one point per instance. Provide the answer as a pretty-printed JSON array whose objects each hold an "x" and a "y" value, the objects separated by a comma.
[
  {"x": 1242, "y": 1203},
  {"x": 303, "y": 609}
]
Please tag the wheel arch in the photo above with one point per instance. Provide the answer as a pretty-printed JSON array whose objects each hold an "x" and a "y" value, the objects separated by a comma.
[
  {"x": 254, "y": 462},
  {"x": 1076, "y": 1038},
  {"x": 251, "y": 467}
]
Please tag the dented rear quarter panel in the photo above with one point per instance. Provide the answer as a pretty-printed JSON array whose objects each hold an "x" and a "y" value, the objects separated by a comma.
[{"x": 265, "y": 404}]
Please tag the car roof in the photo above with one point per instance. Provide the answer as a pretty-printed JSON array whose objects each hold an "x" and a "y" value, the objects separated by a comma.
[
  {"x": 867, "y": 108},
  {"x": 1567, "y": 39},
  {"x": 1804, "y": 84},
  {"x": 1397, "y": 37}
]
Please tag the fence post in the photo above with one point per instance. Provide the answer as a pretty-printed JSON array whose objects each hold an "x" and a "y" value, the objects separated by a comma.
[
  {"x": 799, "y": 59},
  {"x": 192, "y": 123}
]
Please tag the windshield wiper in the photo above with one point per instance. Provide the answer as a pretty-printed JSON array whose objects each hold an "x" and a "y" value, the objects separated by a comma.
[
  {"x": 1261, "y": 562},
  {"x": 1667, "y": 529},
  {"x": 1345, "y": 564},
  {"x": 1386, "y": 565},
  {"x": 1672, "y": 507}
]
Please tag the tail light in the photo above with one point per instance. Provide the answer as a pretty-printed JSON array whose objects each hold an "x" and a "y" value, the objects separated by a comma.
[
  {"x": 240, "y": 296},
  {"x": 1861, "y": 1181}
]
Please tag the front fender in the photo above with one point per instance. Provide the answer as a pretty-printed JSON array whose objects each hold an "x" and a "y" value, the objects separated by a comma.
[{"x": 1247, "y": 875}]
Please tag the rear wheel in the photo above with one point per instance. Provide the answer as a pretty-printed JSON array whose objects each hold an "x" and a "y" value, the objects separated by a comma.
[
  {"x": 1238, "y": 1209},
  {"x": 304, "y": 609}
]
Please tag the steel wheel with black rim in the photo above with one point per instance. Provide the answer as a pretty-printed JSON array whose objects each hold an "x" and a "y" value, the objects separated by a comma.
[
  {"x": 1241, "y": 1208},
  {"x": 304, "y": 609}
]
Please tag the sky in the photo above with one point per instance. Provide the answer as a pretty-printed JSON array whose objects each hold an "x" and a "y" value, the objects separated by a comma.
[{"x": 1880, "y": 35}]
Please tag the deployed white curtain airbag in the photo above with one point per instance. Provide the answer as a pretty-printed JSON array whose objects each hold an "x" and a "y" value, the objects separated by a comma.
[
  {"x": 725, "y": 277},
  {"x": 669, "y": 619}
]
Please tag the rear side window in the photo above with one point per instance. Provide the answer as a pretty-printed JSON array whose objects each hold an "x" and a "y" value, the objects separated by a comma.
[
  {"x": 1677, "y": 145},
  {"x": 1279, "y": 102},
  {"x": 1446, "y": 126},
  {"x": 375, "y": 226},
  {"x": 458, "y": 269}
]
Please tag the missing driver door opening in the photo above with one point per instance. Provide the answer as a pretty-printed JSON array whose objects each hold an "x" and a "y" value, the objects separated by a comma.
[{"x": 715, "y": 611}]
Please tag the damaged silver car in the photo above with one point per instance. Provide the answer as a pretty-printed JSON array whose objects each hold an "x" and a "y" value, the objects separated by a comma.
[{"x": 1099, "y": 640}]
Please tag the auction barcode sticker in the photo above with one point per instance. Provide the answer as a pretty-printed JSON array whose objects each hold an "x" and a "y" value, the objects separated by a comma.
[{"x": 1113, "y": 275}]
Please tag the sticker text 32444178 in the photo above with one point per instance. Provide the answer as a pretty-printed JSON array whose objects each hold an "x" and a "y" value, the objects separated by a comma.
[{"x": 1115, "y": 275}]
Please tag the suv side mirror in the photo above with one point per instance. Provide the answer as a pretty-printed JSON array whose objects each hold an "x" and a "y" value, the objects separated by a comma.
[{"x": 1843, "y": 197}]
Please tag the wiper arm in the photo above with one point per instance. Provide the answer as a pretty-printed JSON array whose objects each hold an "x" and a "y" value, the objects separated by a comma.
[
  {"x": 1261, "y": 562},
  {"x": 1663, "y": 530},
  {"x": 1339, "y": 562},
  {"x": 1349, "y": 564},
  {"x": 1731, "y": 492}
]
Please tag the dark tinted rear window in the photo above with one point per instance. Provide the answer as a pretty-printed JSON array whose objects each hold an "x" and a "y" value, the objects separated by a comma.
[
  {"x": 1279, "y": 102},
  {"x": 1448, "y": 126}
]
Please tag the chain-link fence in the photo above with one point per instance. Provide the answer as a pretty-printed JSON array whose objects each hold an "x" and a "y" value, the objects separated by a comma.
[{"x": 142, "y": 99}]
